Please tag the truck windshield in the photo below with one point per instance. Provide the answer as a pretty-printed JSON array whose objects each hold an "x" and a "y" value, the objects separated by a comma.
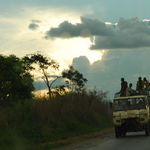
[{"x": 129, "y": 104}]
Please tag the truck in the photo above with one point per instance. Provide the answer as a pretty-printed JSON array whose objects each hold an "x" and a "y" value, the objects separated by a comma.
[{"x": 131, "y": 114}]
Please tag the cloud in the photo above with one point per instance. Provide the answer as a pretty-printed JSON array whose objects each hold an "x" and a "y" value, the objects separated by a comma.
[
  {"x": 41, "y": 85},
  {"x": 36, "y": 21},
  {"x": 87, "y": 28},
  {"x": 33, "y": 26},
  {"x": 128, "y": 33},
  {"x": 17, "y": 38},
  {"x": 85, "y": 64}
]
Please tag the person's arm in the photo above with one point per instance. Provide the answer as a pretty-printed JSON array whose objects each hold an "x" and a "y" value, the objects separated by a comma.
[
  {"x": 137, "y": 85},
  {"x": 121, "y": 87},
  {"x": 127, "y": 91}
]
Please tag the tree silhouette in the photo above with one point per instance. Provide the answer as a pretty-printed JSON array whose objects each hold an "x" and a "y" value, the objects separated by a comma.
[
  {"x": 74, "y": 79},
  {"x": 16, "y": 81},
  {"x": 38, "y": 61}
]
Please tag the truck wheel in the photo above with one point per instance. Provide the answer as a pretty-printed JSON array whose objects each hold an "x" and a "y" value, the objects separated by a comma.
[
  {"x": 124, "y": 133},
  {"x": 147, "y": 129},
  {"x": 117, "y": 132}
]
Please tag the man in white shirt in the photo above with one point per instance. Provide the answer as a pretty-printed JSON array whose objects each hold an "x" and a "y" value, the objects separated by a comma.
[{"x": 129, "y": 90}]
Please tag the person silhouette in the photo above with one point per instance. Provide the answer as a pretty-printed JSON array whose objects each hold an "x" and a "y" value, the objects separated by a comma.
[{"x": 123, "y": 87}]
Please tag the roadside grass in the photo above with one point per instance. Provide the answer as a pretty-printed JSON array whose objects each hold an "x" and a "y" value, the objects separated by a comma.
[{"x": 40, "y": 123}]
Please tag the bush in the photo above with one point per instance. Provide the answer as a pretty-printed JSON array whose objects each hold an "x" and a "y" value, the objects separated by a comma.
[{"x": 41, "y": 120}]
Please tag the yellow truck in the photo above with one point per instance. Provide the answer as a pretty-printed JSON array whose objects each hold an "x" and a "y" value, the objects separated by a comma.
[{"x": 131, "y": 114}]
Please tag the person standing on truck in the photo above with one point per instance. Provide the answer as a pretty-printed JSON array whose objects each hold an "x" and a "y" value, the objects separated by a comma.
[
  {"x": 146, "y": 83},
  {"x": 140, "y": 85},
  {"x": 123, "y": 87},
  {"x": 130, "y": 91}
]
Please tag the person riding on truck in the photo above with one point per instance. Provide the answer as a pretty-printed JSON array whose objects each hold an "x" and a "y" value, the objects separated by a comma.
[
  {"x": 123, "y": 87},
  {"x": 146, "y": 83},
  {"x": 140, "y": 85},
  {"x": 129, "y": 90}
]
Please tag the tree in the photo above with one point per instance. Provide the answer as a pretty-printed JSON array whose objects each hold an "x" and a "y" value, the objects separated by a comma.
[
  {"x": 43, "y": 64},
  {"x": 15, "y": 79},
  {"x": 74, "y": 79}
]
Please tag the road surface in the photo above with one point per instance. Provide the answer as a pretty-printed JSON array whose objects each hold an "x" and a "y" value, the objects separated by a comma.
[{"x": 132, "y": 141}]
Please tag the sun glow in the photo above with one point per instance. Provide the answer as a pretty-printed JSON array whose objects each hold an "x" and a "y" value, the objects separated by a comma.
[
  {"x": 94, "y": 55},
  {"x": 68, "y": 49}
]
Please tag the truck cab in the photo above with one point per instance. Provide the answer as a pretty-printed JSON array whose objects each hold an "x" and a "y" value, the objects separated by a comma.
[{"x": 131, "y": 114}]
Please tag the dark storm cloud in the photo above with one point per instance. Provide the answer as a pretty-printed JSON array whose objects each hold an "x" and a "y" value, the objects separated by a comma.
[
  {"x": 33, "y": 26},
  {"x": 87, "y": 28},
  {"x": 127, "y": 34}
]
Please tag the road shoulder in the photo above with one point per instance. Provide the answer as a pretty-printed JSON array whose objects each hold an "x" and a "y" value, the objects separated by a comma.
[{"x": 75, "y": 141}]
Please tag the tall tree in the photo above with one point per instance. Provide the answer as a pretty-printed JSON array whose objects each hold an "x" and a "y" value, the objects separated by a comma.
[
  {"x": 16, "y": 83},
  {"x": 74, "y": 79},
  {"x": 43, "y": 64}
]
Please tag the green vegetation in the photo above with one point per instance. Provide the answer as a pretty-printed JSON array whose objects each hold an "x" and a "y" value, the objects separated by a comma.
[
  {"x": 33, "y": 123},
  {"x": 38, "y": 121},
  {"x": 16, "y": 82},
  {"x": 74, "y": 79}
]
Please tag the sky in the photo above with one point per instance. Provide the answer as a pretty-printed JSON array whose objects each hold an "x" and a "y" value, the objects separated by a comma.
[{"x": 105, "y": 40}]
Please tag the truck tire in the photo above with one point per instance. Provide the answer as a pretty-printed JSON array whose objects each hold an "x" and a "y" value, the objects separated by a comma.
[
  {"x": 147, "y": 129},
  {"x": 124, "y": 133},
  {"x": 117, "y": 132}
]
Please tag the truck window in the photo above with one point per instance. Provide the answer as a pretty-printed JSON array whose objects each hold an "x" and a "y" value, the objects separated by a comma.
[{"x": 129, "y": 104}]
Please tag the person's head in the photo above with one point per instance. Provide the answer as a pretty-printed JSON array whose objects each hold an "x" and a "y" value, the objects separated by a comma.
[
  {"x": 130, "y": 85},
  {"x": 122, "y": 79},
  {"x": 145, "y": 79},
  {"x": 140, "y": 78}
]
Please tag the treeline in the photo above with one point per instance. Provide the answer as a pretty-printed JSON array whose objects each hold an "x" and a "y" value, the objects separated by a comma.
[
  {"x": 16, "y": 82},
  {"x": 29, "y": 122}
]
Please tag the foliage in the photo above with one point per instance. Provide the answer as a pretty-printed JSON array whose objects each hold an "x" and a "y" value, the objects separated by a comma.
[
  {"x": 39, "y": 122},
  {"x": 74, "y": 79},
  {"x": 43, "y": 64},
  {"x": 42, "y": 121},
  {"x": 16, "y": 81}
]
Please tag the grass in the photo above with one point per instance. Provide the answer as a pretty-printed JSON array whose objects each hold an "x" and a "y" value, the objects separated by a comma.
[{"x": 39, "y": 123}]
